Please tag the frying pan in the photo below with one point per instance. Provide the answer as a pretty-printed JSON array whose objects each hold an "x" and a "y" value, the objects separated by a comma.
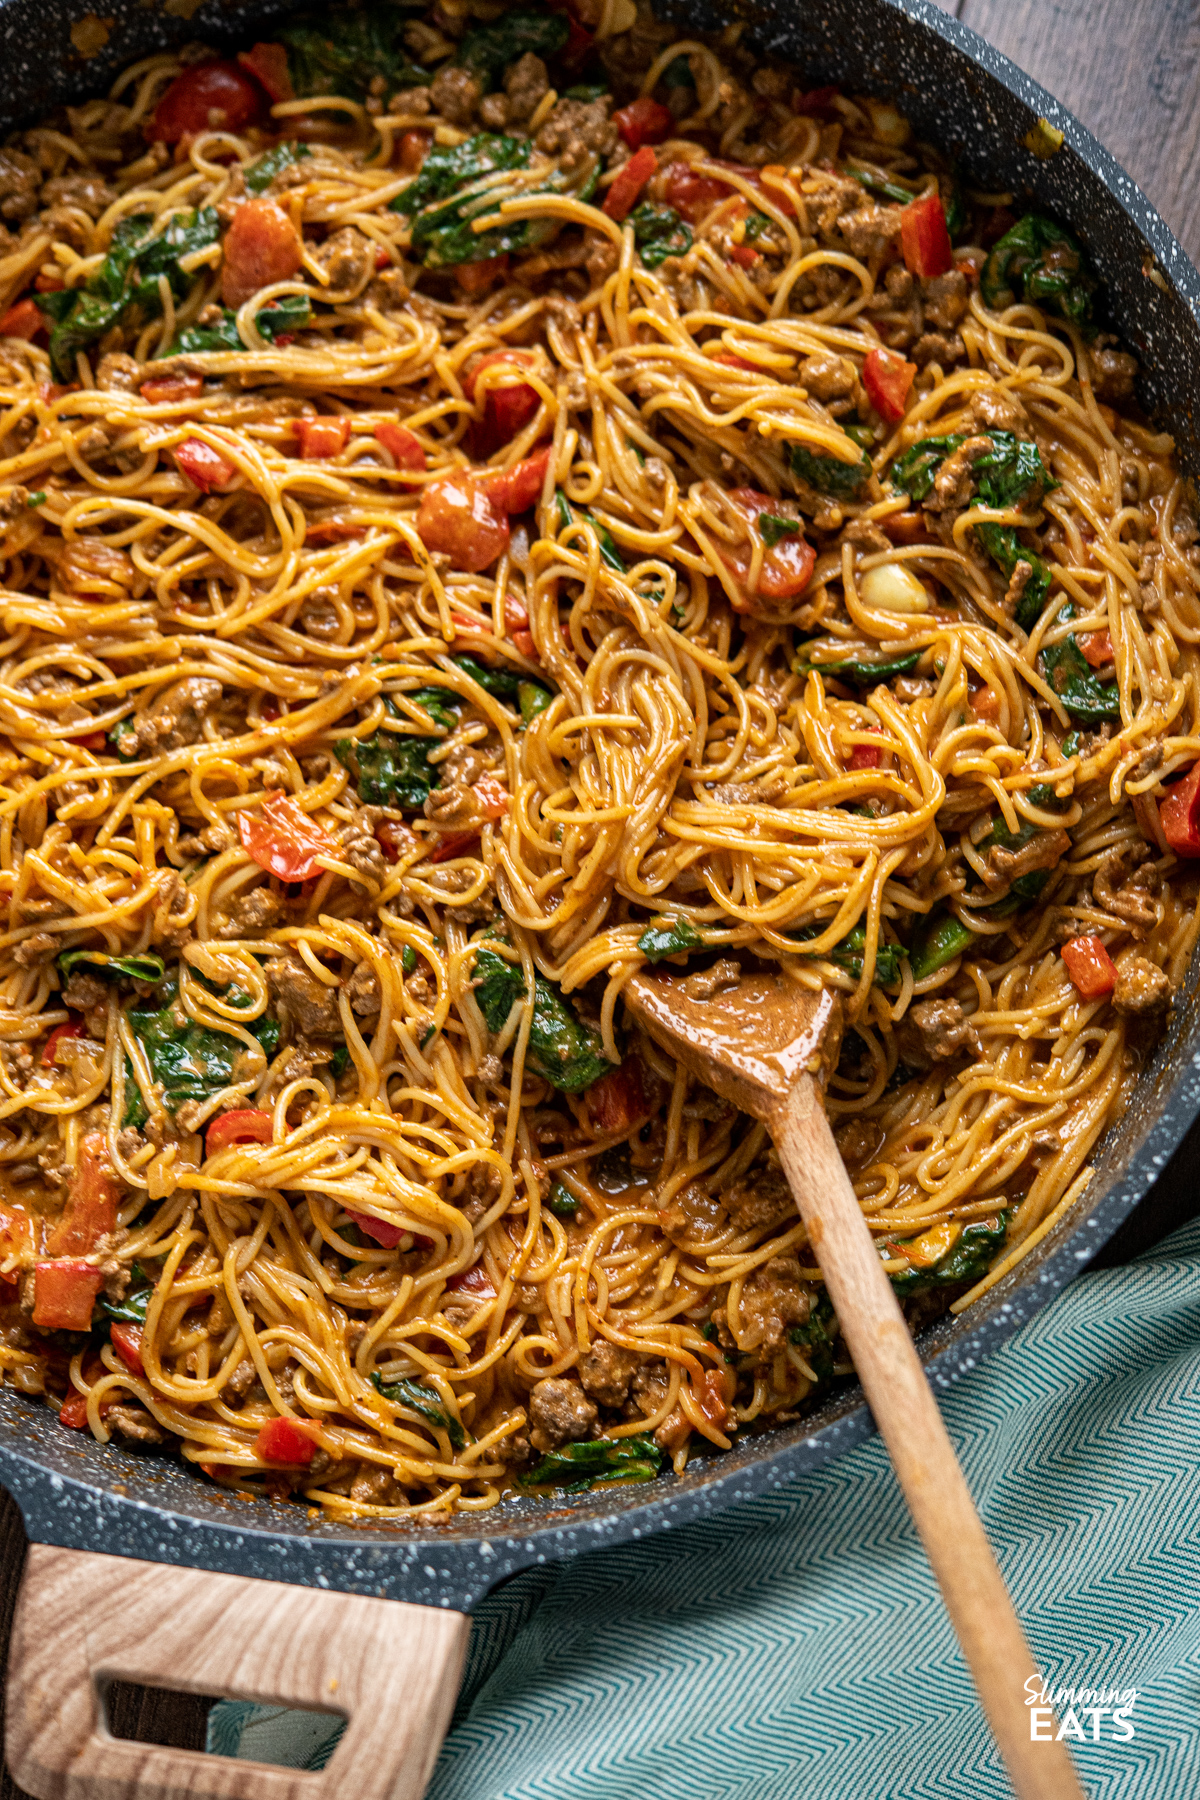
[{"x": 257, "y": 1600}]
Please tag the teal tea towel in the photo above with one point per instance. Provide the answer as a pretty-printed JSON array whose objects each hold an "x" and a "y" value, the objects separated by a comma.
[{"x": 796, "y": 1647}]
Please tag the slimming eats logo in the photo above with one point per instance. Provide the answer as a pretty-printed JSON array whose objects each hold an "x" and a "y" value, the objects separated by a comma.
[{"x": 1088, "y": 1715}]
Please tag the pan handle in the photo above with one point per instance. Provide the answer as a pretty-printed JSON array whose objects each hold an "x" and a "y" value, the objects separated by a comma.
[{"x": 83, "y": 1619}]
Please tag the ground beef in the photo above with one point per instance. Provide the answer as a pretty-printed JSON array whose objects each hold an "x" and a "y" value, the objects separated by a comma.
[
  {"x": 761, "y": 1197},
  {"x": 772, "y": 1300},
  {"x": 1042, "y": 852},
  {"x": 577, "y": 129},
  {"x": 455, "y": 93},
  {"x": 177, "y": 716},
  {"x": 693, "y": 1213},
  {"x": 1134, "y": 900},
  {"x": 1113, "y": 373},
  {"x": 935, "y": 346},
  {"x": 932, "y": 1031},
  {"x": 1143, "y": 990},
  {"x": 136, "y": 1423},
  {"x": 364, "y": 992},
  {"x": 347, "y": 258},
  {"x": 363, "y": 851},
  {"x": 20, "y": 185},
  {"x": 952, "y": 483},
  {"x": 311, "y": 1006},
  {"x": 997, "y": 410},
  {"x": 259, "y": 910},
  {"x": 606, "y": 1372},
  {"x": 559, "y": 1413},
  {"x": 706, "y": 982},
  {"x": 372, "y": 1486},
  {"x": 89, "y": 560},
  {"x": 526, "y": 84},
  {"x": 119, "y": 373},
  {"x": 483, "y": 1191},
  {"x": 827, "y": 377},
  {"x": 84, "y": 992},
  {"x": 945, "y": 299}
]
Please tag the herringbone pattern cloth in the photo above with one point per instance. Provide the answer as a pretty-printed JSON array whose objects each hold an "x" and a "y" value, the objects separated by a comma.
[{"x": 795, "y": 1646}]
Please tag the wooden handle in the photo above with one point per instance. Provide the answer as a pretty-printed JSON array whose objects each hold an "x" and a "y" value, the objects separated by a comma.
[
  {"x": 84, "y": 1619},
  {"x": 917, "y": 1442}
]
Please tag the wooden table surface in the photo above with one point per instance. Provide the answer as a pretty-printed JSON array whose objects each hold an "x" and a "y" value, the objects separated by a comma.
[{"x": 1130, "y": 70}]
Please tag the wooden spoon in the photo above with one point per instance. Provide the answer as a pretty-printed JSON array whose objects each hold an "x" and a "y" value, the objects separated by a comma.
[{"x": 766, "y": 1043}]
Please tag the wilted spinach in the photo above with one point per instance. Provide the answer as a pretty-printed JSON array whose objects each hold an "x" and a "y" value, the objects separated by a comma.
[
  {"x": 562, "y": 1049},
  {"x": 426, "y": 1401},
  {"x": 340, "y": 51},
  {"x": 290, "y": 313},
  {"x": 259, "y": 174},
  {"x": 659, "y": 232},
  {"x": 1070, "y": 675},
  {"x": 669, "y": 939},
  {"x": 828, "y": 474},
  {"x": 1038, "y": 260},
  {"x": 969, "y": 1260},
  {"x": 491, "y": 49},
  {"x": 576, "y": 1466}
]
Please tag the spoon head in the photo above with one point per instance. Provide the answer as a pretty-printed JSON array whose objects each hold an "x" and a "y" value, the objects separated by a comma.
[{"x": 750, "y": 1042}]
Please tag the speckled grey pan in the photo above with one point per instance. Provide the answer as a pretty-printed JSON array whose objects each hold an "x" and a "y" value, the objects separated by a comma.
[{"x": 964, "y": 96}]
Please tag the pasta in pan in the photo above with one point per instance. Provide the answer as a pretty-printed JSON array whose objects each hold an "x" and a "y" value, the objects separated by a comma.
[{"x": 494, "y": 499}]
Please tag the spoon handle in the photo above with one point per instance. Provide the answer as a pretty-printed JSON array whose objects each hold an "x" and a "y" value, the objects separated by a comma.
[{"x": 922, "y": 1455}]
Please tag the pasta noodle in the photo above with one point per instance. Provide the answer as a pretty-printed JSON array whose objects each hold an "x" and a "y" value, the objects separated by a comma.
[{"x": 461, "y": 544}]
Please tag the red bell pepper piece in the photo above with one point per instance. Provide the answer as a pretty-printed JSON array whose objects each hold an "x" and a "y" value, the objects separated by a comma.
[
  {"x": 284, "y": 840},
  {"x": 322, "y": 438},
  {"x": 508, "y": 407},
  {"x": 693, "y": 195},
  {"x": 64, "y": 1293},
  {"x": 924, "y": 239},
  {"x": 261, "y": 246},
  {"x": 1179, "y": 814},
  {"x": 73, "y": 1028},
  {"x": 888, "y": 380},
  {"x": 457, "y": 517},
  {"x": 203, "y": 465},
  {"x": 385, "y": 1234},
  {"x": 24, "y": 320},
  {"x": 744, "y": 255},
  {"x": 166, "y": 389},
  {"x": 644, "y": 121},
  {"x": 127, "y": 1342},
  {"x": 865, "y": 756},
  {"x": 287, "y": 1441},
  {"x": 268, "y": 63},
  {"x": 244, "y": 1125},
  {"x": 450, "y": 847},
  {"x": 520, "y": 487},
  {"x": 91, "y": 1209},
  {"x": 1090, "y": 967},
  {"x": 631, "y": 178},
  {"x": 1097, "y": 647},
  {"x": 475, "y": 1282},
  {"x": 618, "y": 1100},
  {"x": 401, "y": 444},
  {"x": 786, "y": 567},
  {"x": 207, "y": 95}
]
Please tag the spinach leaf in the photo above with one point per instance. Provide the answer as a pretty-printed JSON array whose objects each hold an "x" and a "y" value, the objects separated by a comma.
[
  {"x": 450, "y": 192},
  {"x": 119, "y": 740},
  {"x": 756, "y": 224},
  {"x": 1070, "y": 675},
  {"x": 420, "y": 1399},
  {"x": 659, "y": 232},
  {"x": 259, "y": 174},
  {"x": 123, "y": 290},
  {"x": 189, "y": 1061},
  {"x": 1040, "y": 261},
  {"x": 594, "y": 90},
  {"x": 279, "y": 318},
  {"x": 503, "y": 683},
  {"x": 338, "y": 51},
  {"x": 491, "y": 49},
  {"x": 848, "y": 954},
  {"x": 1000, "y": 837},
  {"x": 1012, "y": 473},
  {"x": 390, "y": 770},
  {"x": 828, "y": 474},
  {"x": 860, "y": 670},
  {"x": 913, "y": 472},
  {"x": 878, "y": 184},
  {"x": 969, "y": 1260},
  {"x": 532, "y": 699},
  {"x": 1006, "y": 551},
  {"x": 673, "y": 939},
  {"x": 408, "y": 959},
  {"x": 938, "y": 941},
  {"x": 599, "y": 1459},
  {"x": 146, "y": 966},
  {"x": 561, "y": 1202},
  {"x": 442, "y": 705},
  {"x": 772, "y": 528},
  {"x": 816, "y": 1335},
  {"x": 608, "y": 550},
  {"x": 339, "y": 1062},
  {"x": 562, "y": 1049},
  {"x": 137, "y": 1299}
]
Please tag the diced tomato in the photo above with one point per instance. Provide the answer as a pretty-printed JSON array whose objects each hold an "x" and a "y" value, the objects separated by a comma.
[
  {"x": 127, "y": 1342},
  {"x": 924, "y": 239},
  {"x": 73, "y": 1412},
  {"x": 387, "y": 1236},
  {"x": 72, "y": 1029},
  {"x": 414, "y": 148},
  {"x": 1097, "y": 646},
  {"x": 322, "y": 438},
  {"x": 91, "y": 740},
  {"x": 1090, "y": 967},
  {"x": 261, "y": 246},
  {"x": 1179, "y": 814},
  {"x": 450, "y": 847},
  {"x": 269, "y": 710},
  {"x": 269, "y": 64},
  {"x": 865, "y": 756},
  {"x": 168, "y": 389},
  {"x": 457, "y": 517},
  {"x": 693, "y": 194},
  {"x": 203, "y": 465},
  {"x": 24, "y": 320},
  {"x": 888, "y": 380},
  {"x": 208, "y": 96},
  {"x": 785, "y": 569},
  {"x": 283, "y": 839},
  {"x": 631, "y": 178},
  {"x": 92, "y": 1199},
  {"x": 474, "y": 1281},
  {"x": 744, "y": 255},
  {"x": 643, "y": 121},
  {"x": 64, "y": 1293},
  {"x": 520, "y": 487},
  {"x": 507, "y": 408},
  {"x": 618, "y": 1099},
  {"x": 985, "y": 703},
  {"x": 244, "y": 1125},
  {"x": 477, "y": 277},
  {"x": 525, "y": 644},
  {"x": 287, "y": 1441},
  {"x": 492, "y": 797},
  {"x": 401, "y": 444}
]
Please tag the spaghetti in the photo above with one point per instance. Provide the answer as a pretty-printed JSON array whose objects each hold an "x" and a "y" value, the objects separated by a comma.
[{"x": 493, "y": 501}]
